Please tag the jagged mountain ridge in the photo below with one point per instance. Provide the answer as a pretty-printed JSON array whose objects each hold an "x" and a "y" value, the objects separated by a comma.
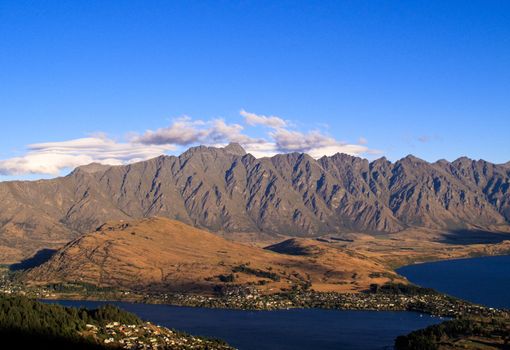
[{"x": 225, "y": 189}]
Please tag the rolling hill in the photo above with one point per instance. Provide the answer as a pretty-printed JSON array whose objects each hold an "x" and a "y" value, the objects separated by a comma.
[{"x": 162, "y": 254}]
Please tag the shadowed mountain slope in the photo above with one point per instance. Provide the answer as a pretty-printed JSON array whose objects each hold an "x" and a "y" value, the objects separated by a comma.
[{"x": 225, "y": 189}]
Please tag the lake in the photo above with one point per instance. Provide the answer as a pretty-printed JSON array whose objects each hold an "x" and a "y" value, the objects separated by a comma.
[
  {"x": 282, "y": 329},
  {"x": 481, "y": 280},
  {"x": 484, "y": 280}
]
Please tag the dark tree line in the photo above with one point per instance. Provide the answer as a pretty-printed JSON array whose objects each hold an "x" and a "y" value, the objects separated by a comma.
[
  {"x": 400, "y": 288},
  {"x": 430, "y": 337},
  {"x": 256, "y": 272},
  {"x": 32, "y": 324}
]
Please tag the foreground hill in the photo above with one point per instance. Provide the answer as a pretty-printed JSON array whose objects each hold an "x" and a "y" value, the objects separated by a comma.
[
  {"x": 227, "y": 190},
  {"x": 160, "y": 254}
]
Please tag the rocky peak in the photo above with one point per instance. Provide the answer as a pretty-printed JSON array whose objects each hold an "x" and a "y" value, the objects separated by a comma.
[
  {"x": 411, "y": 159},
  {"x": 235, "y": 149},
  {"x": 380, "y": 163},
  {"x": 462, "y": 162},
  {"x": 93, "y": 168}
]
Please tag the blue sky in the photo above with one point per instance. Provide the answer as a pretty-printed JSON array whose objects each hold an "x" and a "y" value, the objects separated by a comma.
[{"x": 119, "y": 81}]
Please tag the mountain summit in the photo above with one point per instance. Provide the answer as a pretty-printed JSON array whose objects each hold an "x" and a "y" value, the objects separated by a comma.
[{"x": 235, "y": 148}]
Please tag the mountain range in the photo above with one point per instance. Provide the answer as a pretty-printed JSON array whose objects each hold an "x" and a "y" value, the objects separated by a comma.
[{"x": 228, "y": 190}]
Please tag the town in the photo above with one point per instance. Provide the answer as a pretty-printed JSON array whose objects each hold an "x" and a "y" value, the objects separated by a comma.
[
  {"x": 432, "y": 303},
  {"x": 391, "y": 297}
]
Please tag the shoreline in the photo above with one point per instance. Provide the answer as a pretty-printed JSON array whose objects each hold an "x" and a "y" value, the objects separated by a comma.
[
  {"x": 420, "y": 300},
  {"x": 475, "y": 255},
  {"x": 239, "y": 297},
  {"x": 388, "y": 297},
  {"x": 113, "y": 302}
]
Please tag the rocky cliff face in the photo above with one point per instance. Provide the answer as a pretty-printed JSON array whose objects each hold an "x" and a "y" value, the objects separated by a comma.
[{"x": 225, "y": 189}]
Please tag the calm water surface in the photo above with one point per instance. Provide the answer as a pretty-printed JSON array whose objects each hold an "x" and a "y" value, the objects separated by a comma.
[
  {"x": 283, "y": 329},
  {"x": 480, "y": 280}
]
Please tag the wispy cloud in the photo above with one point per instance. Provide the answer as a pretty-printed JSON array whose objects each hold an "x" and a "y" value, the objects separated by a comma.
[
  {"x": 53, "y": 157},
  {"x": 282, "y": 139},
  {"x": 259, "y": 119},
  {"x": 315, "y": 143},
  {"x": 183, "y": 131},
  {"x": 279, "y": 139}
]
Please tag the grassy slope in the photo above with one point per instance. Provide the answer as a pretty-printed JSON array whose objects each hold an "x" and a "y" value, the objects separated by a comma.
[{"x": 164, "y": 254}]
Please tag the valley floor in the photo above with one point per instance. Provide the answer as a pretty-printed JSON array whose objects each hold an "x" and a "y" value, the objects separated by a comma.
[{"x": 419, "y": 245}]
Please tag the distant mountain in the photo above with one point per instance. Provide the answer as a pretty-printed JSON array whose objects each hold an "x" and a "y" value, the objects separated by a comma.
[
  {"x": 225, "y": 189},
  {"x": 163, "y": 254}
]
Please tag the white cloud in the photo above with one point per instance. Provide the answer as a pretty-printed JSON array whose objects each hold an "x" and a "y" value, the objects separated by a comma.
[
  {"x": 220, "y": 131},
  {"x": 258, "y": 119},
  {"x": 185, "y": 131},
  {"x": 315, "y": 143},
  {"x": 54, "y": 157},
  {"x": 260, "y": 149}
]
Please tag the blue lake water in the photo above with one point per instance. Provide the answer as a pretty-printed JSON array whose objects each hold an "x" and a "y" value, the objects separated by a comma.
[
  {"x": 483, "y": 280},
  {"x": 283, "y": 329}
]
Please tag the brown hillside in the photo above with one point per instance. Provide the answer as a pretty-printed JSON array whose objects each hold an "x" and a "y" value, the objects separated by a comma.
[{"x": 163, "y": 254}]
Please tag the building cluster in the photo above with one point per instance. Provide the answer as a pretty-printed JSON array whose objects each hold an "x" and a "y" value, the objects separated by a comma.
[{"x": 149, "y": 336}]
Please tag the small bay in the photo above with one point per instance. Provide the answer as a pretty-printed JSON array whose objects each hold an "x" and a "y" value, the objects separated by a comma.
[{"x": 483, "y": 280}]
